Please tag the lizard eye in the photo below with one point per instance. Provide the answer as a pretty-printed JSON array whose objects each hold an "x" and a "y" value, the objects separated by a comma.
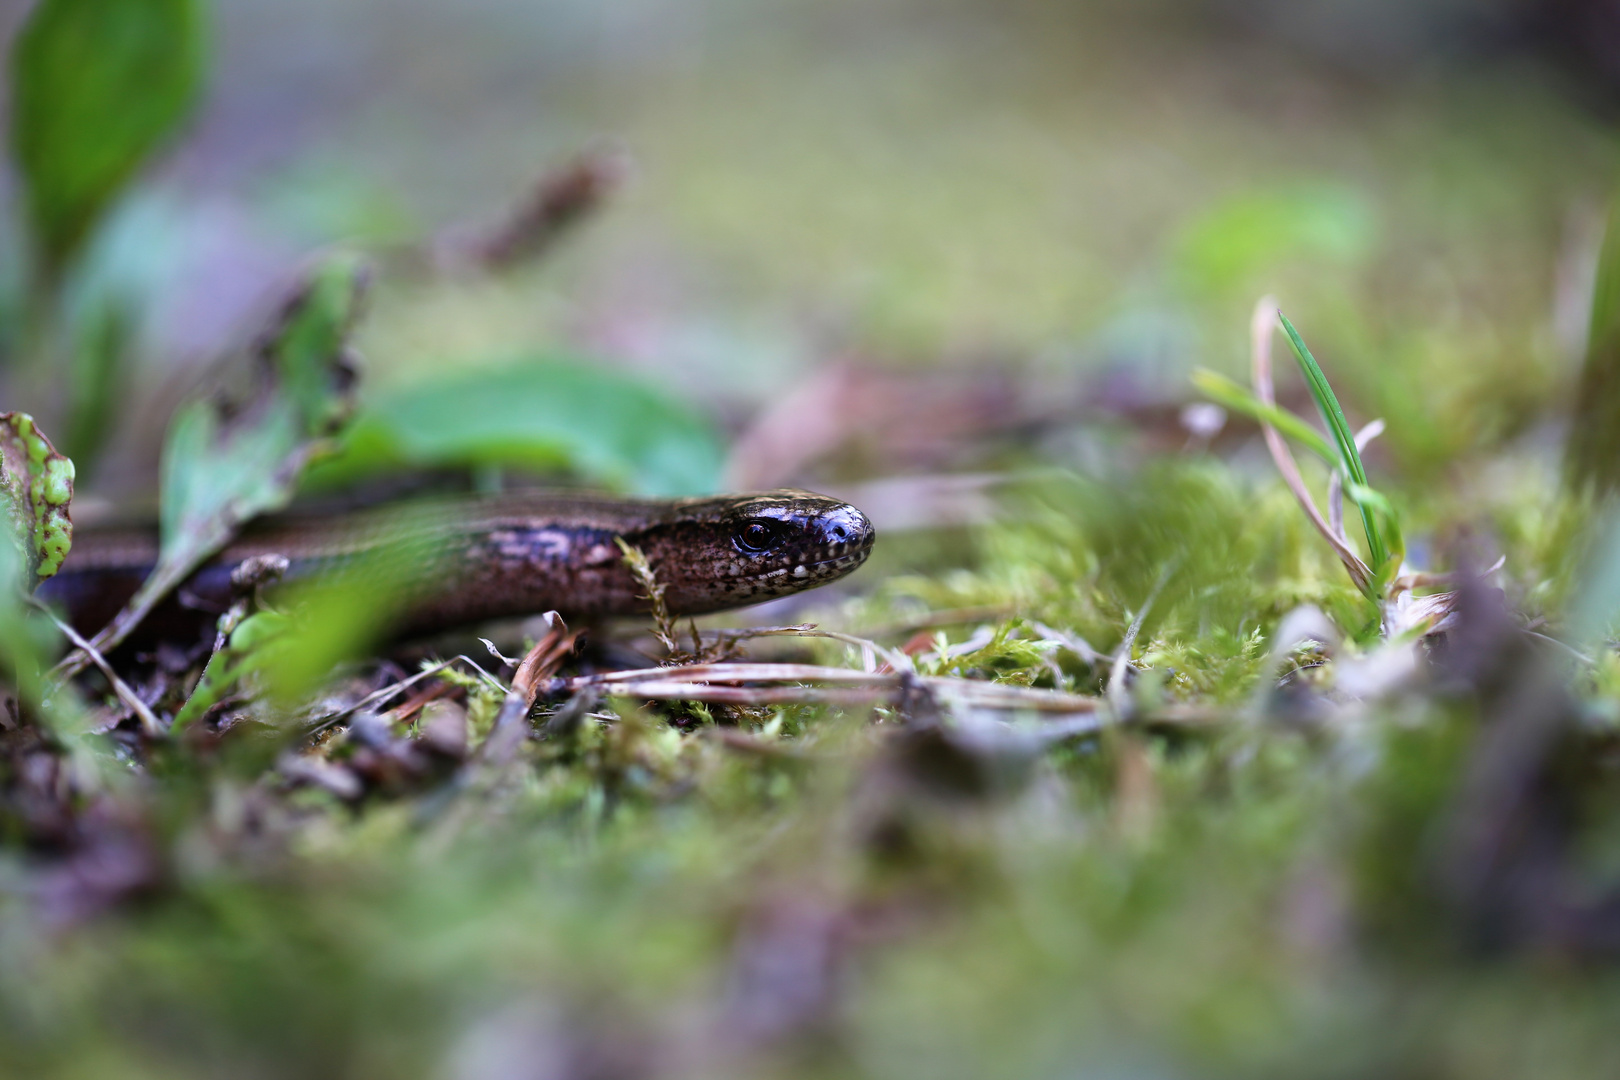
[{"x": 757, "y": 536}]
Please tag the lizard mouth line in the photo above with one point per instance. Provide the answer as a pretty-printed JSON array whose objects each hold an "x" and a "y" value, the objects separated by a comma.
[{"x": 804, "y": 569}]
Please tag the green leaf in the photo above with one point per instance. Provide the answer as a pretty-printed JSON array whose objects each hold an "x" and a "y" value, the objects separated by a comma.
[
  {"x": 251, "y": 646},
  {"x": 544, "y": 413},
  {"x": 36, "y": 488},
  {"x": 327, "y": 618},
  {"x": 1224, "y": 391},
  {"x": 36, "y": 485},
  {"x": 1368, "y": 498},
  {"x": 226, "y": 464},
  {"x": 96, "y": 87},
  {"x": 1332, "y": 415},
  {"x": 346, "y": 611},
  {"x": 1593, "y": 451}
]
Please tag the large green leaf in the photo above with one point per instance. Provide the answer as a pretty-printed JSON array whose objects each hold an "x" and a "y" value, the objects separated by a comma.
[
  {"x": 549, "y": 413},
  {"x": 96, "y": 86}
]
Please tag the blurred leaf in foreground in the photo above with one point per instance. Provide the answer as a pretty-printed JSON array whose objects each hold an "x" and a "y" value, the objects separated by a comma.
[
  {"x": 37, "y": 485},
  {"x": 342, "y": 614},
  {"x": 546, "y": 413},
  {"x": 244, "y": 652},
  {"x": 1594, "y": 433},
  {"x": 224, "y": 465},
  {"x": 96, "y": 86},
  {"x": 325, "y": 619},
  {"x": 19, "y": 655}
]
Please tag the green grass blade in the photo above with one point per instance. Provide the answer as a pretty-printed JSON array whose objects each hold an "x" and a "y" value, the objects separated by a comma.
[
  {"x": 1369, "y": 498},
  {"x": 1228, "y": 394},
  {"x": 1333, "y": 416},
  {"x": 1592, "y": 454}
]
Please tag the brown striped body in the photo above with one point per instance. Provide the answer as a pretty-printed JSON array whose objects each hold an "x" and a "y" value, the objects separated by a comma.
[{"x": 463, "y": 561}]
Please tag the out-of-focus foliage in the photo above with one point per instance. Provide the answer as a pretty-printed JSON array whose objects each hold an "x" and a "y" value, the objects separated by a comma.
[
  {"x": 221, "y": 468},
  {"x": 341, "y": 615},
  {"x": 284, "y": 653},
  {"x": 545, "y": 414},
  {"x": 36, "y": 535},
  {"x": 96, "y": 87},
  {"x": 1235, "y": 249},
  {"x": 1594, "y": 437},
  {"x": 226, "y": 463},
  {"x": 247, "y": 649}
]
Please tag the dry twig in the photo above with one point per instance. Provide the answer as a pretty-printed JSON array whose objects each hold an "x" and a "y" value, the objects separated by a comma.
[
  {"x": 376, "y": 696},
  {"x": 735, "y": 684},
  {"x": 150, "y": 727},
  {"x": 558, "y": 202},
  {"x": 509, "y": 729}
]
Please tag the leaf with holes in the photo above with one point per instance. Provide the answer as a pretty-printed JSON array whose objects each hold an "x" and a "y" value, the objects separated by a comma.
[
  {"x": 225, "y": 464},
  {"x": 36, "y": 483}
]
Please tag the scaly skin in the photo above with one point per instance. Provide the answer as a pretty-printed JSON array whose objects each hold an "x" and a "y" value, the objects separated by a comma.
[{"x": 466, "y": 561}]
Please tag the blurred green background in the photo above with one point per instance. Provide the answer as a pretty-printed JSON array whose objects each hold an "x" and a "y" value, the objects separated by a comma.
[{"x": 1041, "y": 186}]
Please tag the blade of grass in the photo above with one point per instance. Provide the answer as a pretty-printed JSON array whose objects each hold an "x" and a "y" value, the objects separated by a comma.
[
  {"x": 1232, "y": 395},
  {"x": 1333, "y": 416},
  {"x": 1261, "y": 325},
  {"x": 1371, "y": 499}
]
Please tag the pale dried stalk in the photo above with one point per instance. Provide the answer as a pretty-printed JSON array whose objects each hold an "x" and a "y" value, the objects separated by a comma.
[
  {"x": 125, "y": 693},
  {"x": 1336, "y": 481},
  {"x": 509, "y": 730},
  {"x": 719, "y": 684},
  {"x": 1260, "y": 330},
  {"x": 1427, "y": 579},
  {"x": 321, "y": 724}
]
